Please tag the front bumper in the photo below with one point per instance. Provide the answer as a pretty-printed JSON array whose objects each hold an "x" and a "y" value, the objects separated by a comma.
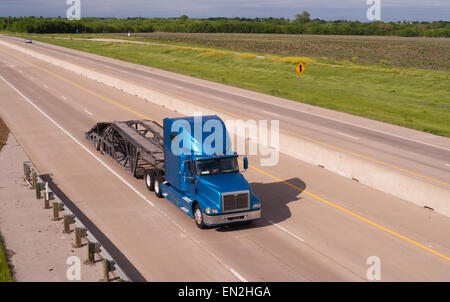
[{"x": 231, "y": 218}]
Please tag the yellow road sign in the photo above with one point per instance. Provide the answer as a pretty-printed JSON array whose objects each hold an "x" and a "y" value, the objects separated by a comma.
[{"x": 300, "y": 69}]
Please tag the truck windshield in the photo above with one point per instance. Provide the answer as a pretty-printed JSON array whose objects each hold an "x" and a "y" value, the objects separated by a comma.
[{"x": 217, "y": 166}]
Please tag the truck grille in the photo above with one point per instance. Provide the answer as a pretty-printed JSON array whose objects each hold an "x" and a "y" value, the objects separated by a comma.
[{"x": 236, "y": 201}]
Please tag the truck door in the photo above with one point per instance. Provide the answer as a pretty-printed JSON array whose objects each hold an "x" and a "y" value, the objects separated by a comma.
[
  {"x": 192, "y": 182},
  {"x": 189, "y": 177}
]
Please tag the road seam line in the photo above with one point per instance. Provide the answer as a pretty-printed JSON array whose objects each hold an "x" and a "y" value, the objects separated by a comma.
[{"x": 345, "y": 134}]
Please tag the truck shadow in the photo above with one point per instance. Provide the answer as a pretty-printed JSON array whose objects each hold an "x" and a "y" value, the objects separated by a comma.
[{"x": 274, "y": 199}]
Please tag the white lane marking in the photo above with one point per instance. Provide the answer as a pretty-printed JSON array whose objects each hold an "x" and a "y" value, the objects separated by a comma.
[
  {"x": 45, "y": 86},
  {"x": 179, "y": 87},
  {"x": 347, "y": 135},
  {"x": 216, "y": 97},
  {"x": 238, "y": 275},
  {"x": 286, "y": 231},
  {"x": 63, "y": 97},
  {"x": 270, "y": 113},
  {"x": 20, "y": 71},
  {"x": 448, "y": 165},
  {"x": 31, "y": 78},
  {"x": 87, "y": 112},
  {"x": 230, "y": 269}
]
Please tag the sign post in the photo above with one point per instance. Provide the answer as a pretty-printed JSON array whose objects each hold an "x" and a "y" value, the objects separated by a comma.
[{"x": 300, "y": 70}]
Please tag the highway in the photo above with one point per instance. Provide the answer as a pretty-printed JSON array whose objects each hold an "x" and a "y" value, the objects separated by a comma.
[{"x": 316, "y": 226}]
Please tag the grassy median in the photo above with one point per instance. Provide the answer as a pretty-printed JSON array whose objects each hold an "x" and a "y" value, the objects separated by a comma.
[
  {"x": 414, "y": 98},
  {"x": 5, "y": 273}
]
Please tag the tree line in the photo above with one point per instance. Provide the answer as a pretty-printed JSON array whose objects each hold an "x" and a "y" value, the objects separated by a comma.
[{"x": 302, "y": 24}]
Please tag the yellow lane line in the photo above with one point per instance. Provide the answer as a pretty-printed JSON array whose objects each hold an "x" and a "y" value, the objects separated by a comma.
[
  {"x": 351, "y": 213},
  {"x": 282, "y": 130},
  {"x": 253, "y": 167}
]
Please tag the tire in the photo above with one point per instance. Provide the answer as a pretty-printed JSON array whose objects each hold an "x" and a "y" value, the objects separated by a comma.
[
  {"x": 149, "y": 178},
  {"x": 198, "y": 217},
  {"x": 97, "y": 144},
  {"x": 157, "y": 187}
]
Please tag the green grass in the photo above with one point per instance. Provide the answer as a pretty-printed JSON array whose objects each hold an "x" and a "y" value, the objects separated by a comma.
[
  {"x": 5, "y": 273},
  {"x": 414, "y": 98}
]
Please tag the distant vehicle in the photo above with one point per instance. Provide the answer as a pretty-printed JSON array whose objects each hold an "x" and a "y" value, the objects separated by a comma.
[
  {"x": 28, "y": 41},
  {"x": 209, "y": 188}
]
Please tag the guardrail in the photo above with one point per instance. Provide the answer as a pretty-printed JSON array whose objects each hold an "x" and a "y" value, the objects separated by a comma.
[{"x": 98, "y": 243}]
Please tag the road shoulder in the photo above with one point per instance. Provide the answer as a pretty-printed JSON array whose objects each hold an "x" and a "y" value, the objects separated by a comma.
[{"x": 36, "y": 246}]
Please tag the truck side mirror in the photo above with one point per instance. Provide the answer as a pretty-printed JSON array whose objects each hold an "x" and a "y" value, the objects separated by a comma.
[
  {"x": 245, "y": 163},
  {"x": 191, "y": 167},
  {"x": 188, "y": 165}
]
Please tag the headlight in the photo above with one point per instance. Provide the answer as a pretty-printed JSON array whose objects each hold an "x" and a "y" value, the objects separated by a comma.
[
  {"x": 211, "y": 211},
  {"x": 256, "y": 205}
]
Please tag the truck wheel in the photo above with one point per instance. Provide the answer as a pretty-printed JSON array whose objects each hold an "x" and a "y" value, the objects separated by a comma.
[
  {"x": 97, "y": 144},
  {"x": 198, "y": 217},
  {"x": 149, "y": 179},
  {"x": 157, "y": 184}
]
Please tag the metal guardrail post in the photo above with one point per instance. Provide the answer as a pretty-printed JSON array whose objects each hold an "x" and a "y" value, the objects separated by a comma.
[
  {"x": 55, "y": 211},
  {"x": 39, "y": 188},
  {"x": 49, "y": 196},
  {"x": 33, "y": 180},
  {"x": 106, "y": 269},
  {"x": 68, "y": 220},
  {"x": 90, "y": 253},
  {"x": 79, "y": 233},
  {"x": 27, "y": 171}
]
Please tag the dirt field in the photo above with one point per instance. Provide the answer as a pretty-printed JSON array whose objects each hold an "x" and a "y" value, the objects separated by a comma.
[{"x": 426, "y": 53}]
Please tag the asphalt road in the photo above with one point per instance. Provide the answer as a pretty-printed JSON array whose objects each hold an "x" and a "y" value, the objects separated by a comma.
[{"x": 316, "y": 226}]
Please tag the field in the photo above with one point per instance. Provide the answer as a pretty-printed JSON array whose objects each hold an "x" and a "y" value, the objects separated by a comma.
[
  {"x": 365, "y": 80},
  {"x": 428, "y": 53},
  {"x": 5, "y": 274}
]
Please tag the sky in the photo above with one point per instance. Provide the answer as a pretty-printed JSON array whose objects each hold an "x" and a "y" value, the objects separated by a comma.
[{"x": 391, "y": 10}]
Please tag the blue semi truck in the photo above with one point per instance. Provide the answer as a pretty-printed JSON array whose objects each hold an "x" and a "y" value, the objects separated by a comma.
[{"x": 202, "y": 180}]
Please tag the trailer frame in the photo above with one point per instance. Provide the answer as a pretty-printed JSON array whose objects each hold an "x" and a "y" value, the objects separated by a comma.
[{"x": 137, "y": 145}]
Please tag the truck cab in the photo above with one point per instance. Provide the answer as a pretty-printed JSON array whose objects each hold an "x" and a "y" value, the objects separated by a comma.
[{"x": 206, "y": 185}]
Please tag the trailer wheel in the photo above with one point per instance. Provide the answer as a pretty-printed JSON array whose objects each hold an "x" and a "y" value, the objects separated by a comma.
[
  {"x": 158, "y": 181},
  {"x": 149, "y": 178},
  {"x": 198, "y": 217},
  {"x": 97, "y": 144}
]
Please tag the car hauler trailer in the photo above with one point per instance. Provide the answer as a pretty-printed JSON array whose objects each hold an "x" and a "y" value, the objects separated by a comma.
[{"x": 208, "y": 187}]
